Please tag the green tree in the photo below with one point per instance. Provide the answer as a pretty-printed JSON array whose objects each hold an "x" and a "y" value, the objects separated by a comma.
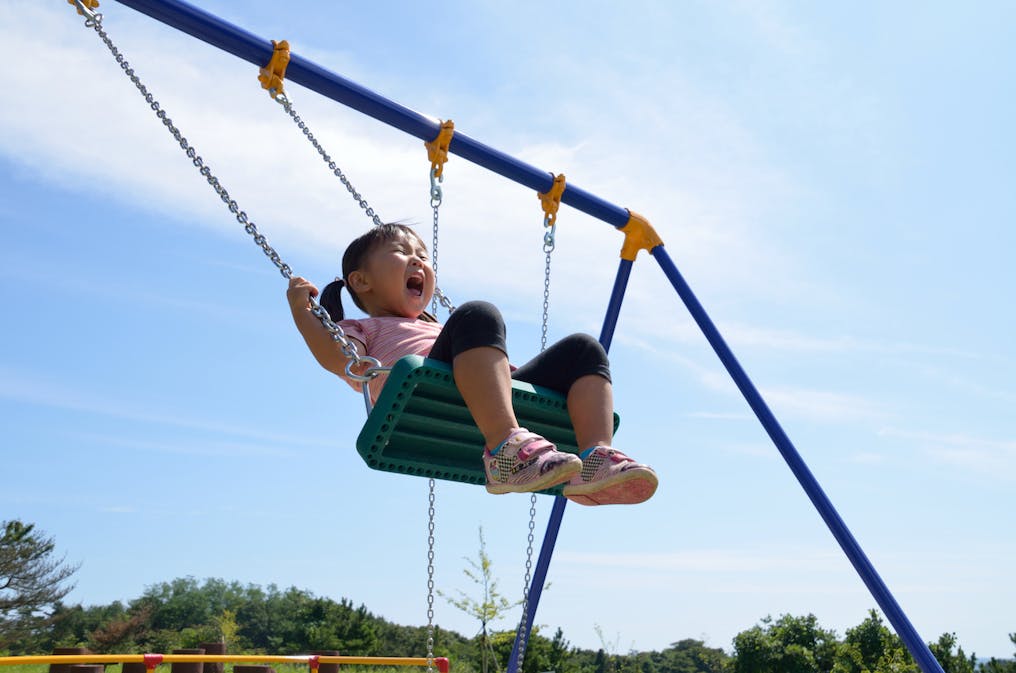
[
  {"x": 788, "y": 645},
  {"x": 32, "y": 581},
  {"x": 864, "y": 646},
  {"x": 690, "y": 656},
  {"x": 952, "y": 662},
  {"x": 489, "y": 608},
  {"x": 560, "y": 656},
  {"x": 994, "y": 665}
]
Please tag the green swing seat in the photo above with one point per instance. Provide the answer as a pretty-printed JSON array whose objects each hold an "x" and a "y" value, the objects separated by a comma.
[{"x": 420, "y": 425}]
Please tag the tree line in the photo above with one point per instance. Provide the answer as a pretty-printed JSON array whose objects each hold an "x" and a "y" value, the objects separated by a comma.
[{"x": 250, "y": 619}]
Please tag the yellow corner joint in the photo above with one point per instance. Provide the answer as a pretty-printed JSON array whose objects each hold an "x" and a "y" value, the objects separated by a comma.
[
  {"x": 87, "y": 4},
  {"x": 437, "y": 149},
  {"x": 638, "y": 235},
  {"x": 271, "y": 75},
  {"x": 551, "y": 200}
]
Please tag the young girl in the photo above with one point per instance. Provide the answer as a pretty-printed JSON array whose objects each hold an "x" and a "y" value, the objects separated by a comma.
[{"x": 388, "y": 275}]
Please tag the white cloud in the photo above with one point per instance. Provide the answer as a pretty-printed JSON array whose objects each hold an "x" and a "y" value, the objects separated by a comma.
[
  {"x": 83, "y": 126},
  {"x": 996, "y": 457},
  {"x": 824, "y": 405},
  {"x": 34, "y": 389}
]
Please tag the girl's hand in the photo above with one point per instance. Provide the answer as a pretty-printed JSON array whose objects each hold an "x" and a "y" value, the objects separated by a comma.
[{"x": 299, "y": 293}]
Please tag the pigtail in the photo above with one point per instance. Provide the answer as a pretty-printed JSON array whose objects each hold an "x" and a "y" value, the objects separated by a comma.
[{"x": 331, "y": 299}]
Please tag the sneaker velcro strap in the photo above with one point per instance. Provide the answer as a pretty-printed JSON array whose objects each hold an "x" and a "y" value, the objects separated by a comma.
[{"x": 532, "y": 444}]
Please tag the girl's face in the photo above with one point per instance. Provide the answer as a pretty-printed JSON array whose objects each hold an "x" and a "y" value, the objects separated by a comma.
[{"x": 396, "y": 278}]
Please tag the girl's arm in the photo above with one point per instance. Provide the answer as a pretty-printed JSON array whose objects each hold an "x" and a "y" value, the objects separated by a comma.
[{"x": 325, "y": 350}]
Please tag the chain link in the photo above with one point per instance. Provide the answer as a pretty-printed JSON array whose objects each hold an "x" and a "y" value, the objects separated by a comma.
[
  {"x": 430, "y": 580},
  {"x": 94, "y": 20}
]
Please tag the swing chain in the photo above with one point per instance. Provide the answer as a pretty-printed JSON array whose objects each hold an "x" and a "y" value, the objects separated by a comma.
[
  {"x": 523, "y": 637},
  {"x": 94, "y": 20},
  {"x": 283, "y": 100},
  {"x": 435, "y": 203},
  {"x": 548, "y": 247},
  {"x": 546, "y": 304},
  {"x": 436, "y": 194},
  {"x": 430, "y": 580}
]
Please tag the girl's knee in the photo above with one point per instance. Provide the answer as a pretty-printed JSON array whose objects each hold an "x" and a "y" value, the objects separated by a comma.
[
  {"x": 472, "y": 325},
  {"x": 585, "y": 344},
  {"x": 478, "y": 312}
]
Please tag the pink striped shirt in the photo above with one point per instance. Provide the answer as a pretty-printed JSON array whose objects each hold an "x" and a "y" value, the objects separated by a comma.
[{"x": 388, "y": 339}]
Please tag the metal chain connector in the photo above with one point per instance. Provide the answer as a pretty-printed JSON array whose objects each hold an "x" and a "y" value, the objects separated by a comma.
[
  {"x": 549, "y": 237},
  {"x": 86, "y": 8},
  {"x": 435, "y": 188}
]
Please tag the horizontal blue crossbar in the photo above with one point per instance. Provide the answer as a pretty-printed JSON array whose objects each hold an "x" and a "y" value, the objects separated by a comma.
[{"x": 257, "y": 50}]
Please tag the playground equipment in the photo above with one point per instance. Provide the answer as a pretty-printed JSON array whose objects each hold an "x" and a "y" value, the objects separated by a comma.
[
  {"x": 639, "y": 235},
  {"x": 151, "y": 661}
]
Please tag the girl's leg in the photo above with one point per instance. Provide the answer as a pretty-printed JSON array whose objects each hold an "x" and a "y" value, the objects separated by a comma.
[
  {"x": 577, "y": 366},
  {"x": 473, "y": 342},
  {"x": 591, "y": 407},
  {"x": 483, "y": 377},
  {"x": 515, "y": 460}
]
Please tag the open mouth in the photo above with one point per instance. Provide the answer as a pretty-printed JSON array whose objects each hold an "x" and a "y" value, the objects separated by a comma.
[{"x": 415, "y": 286}]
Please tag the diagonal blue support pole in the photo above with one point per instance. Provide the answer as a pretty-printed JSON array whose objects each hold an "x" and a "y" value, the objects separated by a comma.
[
  {"x": 557, "y": 511},
  {"x": 918, "y": 649}
]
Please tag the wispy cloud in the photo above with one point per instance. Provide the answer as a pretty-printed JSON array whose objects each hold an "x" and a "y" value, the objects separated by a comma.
[
  {"x": 996, "y": 457},
  {"x": 219, "y": 448},
  {"x": 824, "y": 405},
  {"x": 27, "y": 388}
]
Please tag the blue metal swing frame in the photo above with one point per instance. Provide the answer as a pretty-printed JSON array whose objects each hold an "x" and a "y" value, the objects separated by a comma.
[{"x": 258, "y": 51}]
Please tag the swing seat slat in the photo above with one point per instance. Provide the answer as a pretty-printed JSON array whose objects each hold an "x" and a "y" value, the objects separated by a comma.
[{"x": 420, "y": 425}]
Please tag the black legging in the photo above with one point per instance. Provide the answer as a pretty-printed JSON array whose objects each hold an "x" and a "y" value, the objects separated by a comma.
[{"x": 479, "y": 323}]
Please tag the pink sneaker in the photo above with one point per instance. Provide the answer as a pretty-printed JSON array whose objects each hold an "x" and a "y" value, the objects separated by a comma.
[
  {"x": 609, "y": 477},
  {"x": 527, "y": 462}
]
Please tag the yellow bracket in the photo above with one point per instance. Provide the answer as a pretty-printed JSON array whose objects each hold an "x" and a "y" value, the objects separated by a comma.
[
  {"x": 437, "y": 149},
  {"x": 90, "y": 4},
  {"x": 638, "y": 235},
  {"x": 551, "y": 199},
  {"x": 272, "y": 74}
]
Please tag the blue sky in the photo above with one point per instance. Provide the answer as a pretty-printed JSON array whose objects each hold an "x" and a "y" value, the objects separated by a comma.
[{"x": 833, "y": 182}]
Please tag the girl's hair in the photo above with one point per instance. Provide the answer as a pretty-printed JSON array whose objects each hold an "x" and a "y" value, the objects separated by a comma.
[{"x": 354, "y": 258}]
